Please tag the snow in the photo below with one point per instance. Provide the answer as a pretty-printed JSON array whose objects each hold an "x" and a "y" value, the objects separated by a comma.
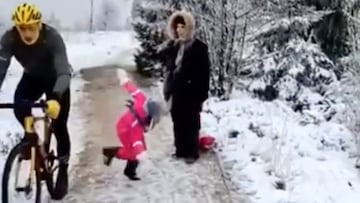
[
  {"x": 84, "y": 51},
  {"x": 261, "y": 144},
  {"x": 101, "y": 48}
]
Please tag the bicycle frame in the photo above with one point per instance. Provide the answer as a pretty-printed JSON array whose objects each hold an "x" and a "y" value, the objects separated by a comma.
[{"x": 29, "y": 125}]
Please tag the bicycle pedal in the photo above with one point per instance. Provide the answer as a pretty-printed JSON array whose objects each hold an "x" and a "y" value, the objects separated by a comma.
[
  {"x": 23, "y": 189},
  {"x": 20, "y": 189}
]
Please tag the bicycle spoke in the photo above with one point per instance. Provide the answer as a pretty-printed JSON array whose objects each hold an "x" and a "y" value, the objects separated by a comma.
[{"x": 54, "y": 168}]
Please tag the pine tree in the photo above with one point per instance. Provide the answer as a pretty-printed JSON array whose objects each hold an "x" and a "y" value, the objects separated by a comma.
[
  {"x": 149, "y": 39},
  {"x": 149, "y": 21}
]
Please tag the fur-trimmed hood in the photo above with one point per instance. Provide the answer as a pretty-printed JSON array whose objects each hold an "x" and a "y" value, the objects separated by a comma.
[{"x": 189, "y": 24}]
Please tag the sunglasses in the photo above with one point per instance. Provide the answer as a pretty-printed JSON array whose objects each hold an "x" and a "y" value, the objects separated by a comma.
[{"x": 30, "y": 27}]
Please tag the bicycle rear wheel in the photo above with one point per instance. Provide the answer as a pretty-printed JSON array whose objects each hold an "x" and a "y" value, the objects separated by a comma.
[{"x": 12, "y": 193}]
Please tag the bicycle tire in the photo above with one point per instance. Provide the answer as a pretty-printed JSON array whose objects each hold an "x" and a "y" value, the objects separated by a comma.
[
  {"x": 49, "y": 180},
  {"x": 50, "y": 183},
  {"x": 16, "y": 151}
]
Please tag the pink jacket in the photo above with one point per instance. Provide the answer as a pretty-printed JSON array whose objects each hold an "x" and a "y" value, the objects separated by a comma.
[{"x": 129, "y": 130}]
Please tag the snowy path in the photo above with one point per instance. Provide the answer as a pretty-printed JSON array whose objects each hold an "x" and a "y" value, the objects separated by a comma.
[{"x": 163, "y": 179}]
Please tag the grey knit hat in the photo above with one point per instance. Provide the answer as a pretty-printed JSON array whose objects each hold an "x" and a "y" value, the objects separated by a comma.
[{"x": 154, "y": 111}]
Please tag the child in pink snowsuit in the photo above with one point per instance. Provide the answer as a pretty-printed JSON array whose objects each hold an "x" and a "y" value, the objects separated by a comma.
[{"x": 141, "y": 114}]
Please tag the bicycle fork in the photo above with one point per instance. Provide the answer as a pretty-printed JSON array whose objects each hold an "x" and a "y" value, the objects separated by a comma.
[
  {"x": 29, "y": 130},
  {"x": 33, "y": 165}
]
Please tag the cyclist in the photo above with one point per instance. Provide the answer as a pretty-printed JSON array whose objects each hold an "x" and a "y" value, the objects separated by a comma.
[{"x": 41, "y": 51}]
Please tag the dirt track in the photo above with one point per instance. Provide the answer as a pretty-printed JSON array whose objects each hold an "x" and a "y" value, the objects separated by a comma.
[{"x": 164, "y": 180}]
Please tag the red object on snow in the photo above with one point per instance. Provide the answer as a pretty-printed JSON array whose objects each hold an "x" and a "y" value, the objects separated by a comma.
[
  {"x": 206, "y": 142},
  {"x": 129, "y": 131}
]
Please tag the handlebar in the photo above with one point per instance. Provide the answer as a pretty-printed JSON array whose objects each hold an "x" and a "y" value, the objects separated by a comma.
[{"x": 40, "y": 104}]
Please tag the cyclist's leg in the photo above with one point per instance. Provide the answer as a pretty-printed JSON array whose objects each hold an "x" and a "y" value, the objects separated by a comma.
[
  {"x": 60, "y": 126},
  {"x": 27, "y": 90},
  {"x": 63, "y": 144}
]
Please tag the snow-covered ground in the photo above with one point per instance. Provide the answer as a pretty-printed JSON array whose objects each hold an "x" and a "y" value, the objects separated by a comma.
[
  {"x": 265, "y": 146},
  {"x": 84, "y": 51}
]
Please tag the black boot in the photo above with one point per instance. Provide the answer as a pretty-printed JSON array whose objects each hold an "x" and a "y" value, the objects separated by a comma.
[
  {"x": 61, "y": 187},
  {"x": 191, "y": 160},
  {"x": 130, "y": 170},
  {"x": 109, "y": 153},
  {"x": 177, "y": 156}
]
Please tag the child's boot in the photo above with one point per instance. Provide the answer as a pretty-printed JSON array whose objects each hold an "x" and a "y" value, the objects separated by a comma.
[
  {"x": 109, "y": 153},
  {"x": 130, "y": 170}
]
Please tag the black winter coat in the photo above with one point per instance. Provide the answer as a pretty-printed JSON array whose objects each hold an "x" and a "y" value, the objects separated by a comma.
[{"x": 189, "y": 86}]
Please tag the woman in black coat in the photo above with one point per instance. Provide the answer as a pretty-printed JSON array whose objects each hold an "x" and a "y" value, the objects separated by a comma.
[{"x": 186, "y": 82}]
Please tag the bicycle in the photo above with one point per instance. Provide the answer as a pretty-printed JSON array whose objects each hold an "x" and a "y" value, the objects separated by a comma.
[{"x": 42, "y": 162}]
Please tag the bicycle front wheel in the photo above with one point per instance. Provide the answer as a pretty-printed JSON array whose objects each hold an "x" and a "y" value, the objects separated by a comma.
[{"x": 18, "y": 170}]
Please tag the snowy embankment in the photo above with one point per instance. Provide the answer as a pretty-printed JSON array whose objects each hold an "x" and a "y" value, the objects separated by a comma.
[
  {"x": 273, "y": 156},
  {"x": 289, "y": 150},
  {"x": 84, "y": 51}
]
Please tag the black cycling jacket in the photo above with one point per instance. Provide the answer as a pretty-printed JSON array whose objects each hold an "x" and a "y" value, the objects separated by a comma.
[{"x": 46, "y": 59}]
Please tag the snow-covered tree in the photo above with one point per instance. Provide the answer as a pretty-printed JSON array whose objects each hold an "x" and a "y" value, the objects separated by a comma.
[
  {"x": 82, "y": 25},
  {"x": 222, "y": 25},
  {"x": 330, "y": 32},
  {"x": 54, "y": 21},
  {"x": 149, "y": 21},
  {"x": 348, "y": 92},
  {"x": 293, "y": 55},
  {"x": 108, "y": 17}
]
